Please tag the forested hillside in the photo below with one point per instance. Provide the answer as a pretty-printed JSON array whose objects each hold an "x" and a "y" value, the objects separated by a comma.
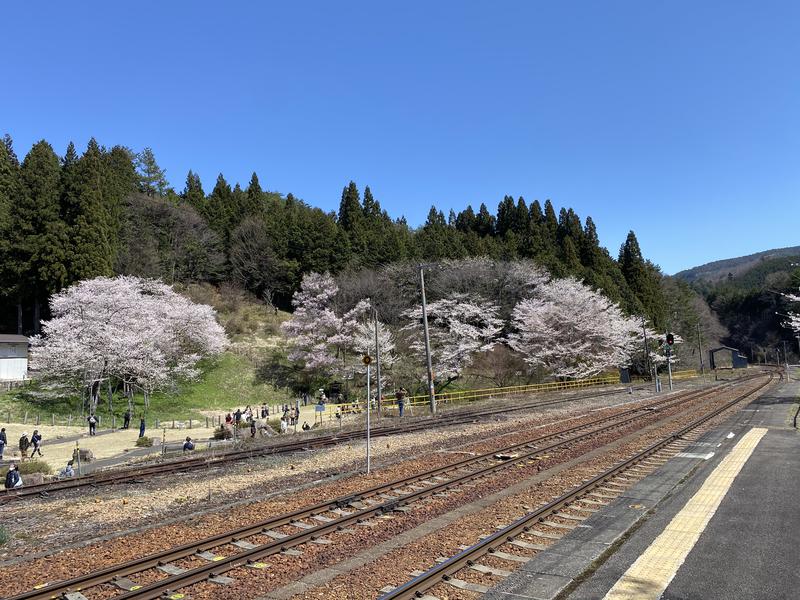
[
  {"x": 109, "y": 210},
  {"x": 750, "y": 303}
]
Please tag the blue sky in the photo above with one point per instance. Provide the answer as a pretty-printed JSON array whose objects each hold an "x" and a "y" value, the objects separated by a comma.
[{"x": 678, "y": 120}]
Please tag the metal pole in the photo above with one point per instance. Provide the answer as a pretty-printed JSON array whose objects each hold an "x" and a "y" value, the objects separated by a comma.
[
  {"x": 786, "y": 360},
  {"x": 646, "y": 351},
  {"x": 700, "y": 350},
  {"x": 378, "y": 365},
  {"x": 431, "y": 394},
  {"x": 368, "y": 427},
  {"x": 669, "y": 366}
]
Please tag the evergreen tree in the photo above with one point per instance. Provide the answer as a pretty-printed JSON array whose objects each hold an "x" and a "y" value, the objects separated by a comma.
[
  {"x": 89, "y": 216},
  {"x": 152, "y": 178},
  {"x": 484, "y": 222},
  {"x": 521, "y": 218},
  {"x": 506, "y": 215},
  {"x": 219, "y": 208},
  {"x": 254, "y": 200},
  {"x": 39, "y": 236},
  {"x": 193, "y": 192},
  {"x": 465, "y": 221},
  {"x": 351, "y": 220},
  {"x": 10, "y": 191},
  {"x": 643, "y": 279}
]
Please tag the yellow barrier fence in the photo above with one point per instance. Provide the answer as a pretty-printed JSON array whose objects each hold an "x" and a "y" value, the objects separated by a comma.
[{"x": 469, "y": 395}]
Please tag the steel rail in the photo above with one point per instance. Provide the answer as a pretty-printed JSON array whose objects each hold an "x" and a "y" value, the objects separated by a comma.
[
  {"x": 134, "y": 473},
  {"x": 189, "y": 549},
  {"x": 445, "y": 570}
]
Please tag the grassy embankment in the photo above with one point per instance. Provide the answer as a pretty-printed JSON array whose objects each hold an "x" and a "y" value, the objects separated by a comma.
[{"x": 226, "y": 382}]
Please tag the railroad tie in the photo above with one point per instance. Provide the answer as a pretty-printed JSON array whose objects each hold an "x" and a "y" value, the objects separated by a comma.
[
  {"x": 209, "y": 556},
  {"x": 244, "y": 545},
  {"x": 527, "y": 545},
  {"x": 221, "y": 580},
  {"x": 468, "y": 585},
  {"x": 276, "y": 535},
  {"x": 547, "y": 536},
  {"x": 490, "y": 570},
  {"x": 321, "y": 519},
  {"x": 507, "y": 556},
  {"x": 557, "y": 525}
]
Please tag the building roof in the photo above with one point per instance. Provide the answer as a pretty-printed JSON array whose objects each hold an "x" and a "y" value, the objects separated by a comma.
[{"x": 9, "y": 337}]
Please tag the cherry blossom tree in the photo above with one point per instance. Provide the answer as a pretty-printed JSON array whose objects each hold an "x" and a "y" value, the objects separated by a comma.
[
  {"x": 572, "y": 331},
  {"x": 137, "y": 331},
  {"x": 320, "y": 339},
  {"x": 459, "y": 328},
  {"x": 793, "y": 321}
]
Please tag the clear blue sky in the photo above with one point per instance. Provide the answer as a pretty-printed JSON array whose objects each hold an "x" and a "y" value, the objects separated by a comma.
[{"x": 679, "y": 120}]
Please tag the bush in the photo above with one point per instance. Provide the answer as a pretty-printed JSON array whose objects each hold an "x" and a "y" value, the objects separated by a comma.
[
  {"x": 223, "y": 433},
  {"x": 30, "y": 466},
  {"x": 144, "y": 442}
]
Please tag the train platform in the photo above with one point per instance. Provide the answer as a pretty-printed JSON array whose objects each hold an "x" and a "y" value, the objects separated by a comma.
[{"x": 717, "y": 521}]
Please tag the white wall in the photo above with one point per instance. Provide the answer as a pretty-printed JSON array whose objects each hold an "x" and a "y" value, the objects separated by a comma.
[{"x": 13, "y": 369}]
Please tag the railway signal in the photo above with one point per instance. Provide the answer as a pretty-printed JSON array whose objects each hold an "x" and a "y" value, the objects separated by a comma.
[{"x": 670, "y": 339}]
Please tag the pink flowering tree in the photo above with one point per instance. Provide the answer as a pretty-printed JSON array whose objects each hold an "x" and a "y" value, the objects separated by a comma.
[
  {"x": 319, "y": 339},
  {"x": 572, "y": 331},
  {"x": 459, "y": 328},
  {"x": 125, "y": 329}
]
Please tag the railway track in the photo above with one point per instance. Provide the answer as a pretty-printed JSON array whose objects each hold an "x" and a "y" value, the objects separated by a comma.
[
  {"x": 311, "y": 524},
  {"x": 136, "y": 474},
  {"x": 518, "y": 541}
]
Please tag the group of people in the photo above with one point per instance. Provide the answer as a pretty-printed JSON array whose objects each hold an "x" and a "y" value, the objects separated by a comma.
[
  {"x": 93, "y": 421},
  {"x": 25, "y": 444}
]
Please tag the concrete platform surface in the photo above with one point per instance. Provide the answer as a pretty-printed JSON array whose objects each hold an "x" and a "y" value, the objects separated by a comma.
[{"x": 748, "y": 548}]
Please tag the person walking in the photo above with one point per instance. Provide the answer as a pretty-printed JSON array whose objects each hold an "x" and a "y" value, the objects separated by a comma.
[
  {"x": 92, "y": 420},
  {"x": 24, "y": 444},
  {"x": 126, "y": 419},
  {"x": 141, "y": 427},
  {"x": 3, "y": 441},
  {"x": 36, "y": 442},
  {"x": 13, "y": 478}
]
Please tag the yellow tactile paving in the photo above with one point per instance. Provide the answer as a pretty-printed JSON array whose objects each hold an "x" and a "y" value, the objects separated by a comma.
[{"x": 650, "y": 575}]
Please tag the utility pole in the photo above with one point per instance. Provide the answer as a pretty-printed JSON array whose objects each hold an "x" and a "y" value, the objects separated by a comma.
[
  {"x": 431, "y": 393},
  {"x": 366, "y": 362},
  {"x": 669, "y": 364},
  {"x": 378, "y": 365},
  {"x": 700, "y": 350},
  {"x": 646, "y": 351}
]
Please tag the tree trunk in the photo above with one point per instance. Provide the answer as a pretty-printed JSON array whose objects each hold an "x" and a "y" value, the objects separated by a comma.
[
  {"x": 36, "y": 314},
  {"x": 110, "y": 396},
  {"x": 19, "y": 315}
]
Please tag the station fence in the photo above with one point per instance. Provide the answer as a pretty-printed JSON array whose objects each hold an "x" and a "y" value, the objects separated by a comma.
[{"x": 485, "y": 393}]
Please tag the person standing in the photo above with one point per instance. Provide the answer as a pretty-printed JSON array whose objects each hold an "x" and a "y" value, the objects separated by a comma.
[
  {"x": 13, "y": 479},
  {"x": 3, "y": 441},
  {"x": 141, "y": 427},
  {"x": 252, "y": 428},
  {"x": 126, "y": 423},
  {"x": 36, "y": 442},
  {"x": 92, "y": 420},
  {"x": 401, "y": 400},
  {"x": 24, "y": 444}
]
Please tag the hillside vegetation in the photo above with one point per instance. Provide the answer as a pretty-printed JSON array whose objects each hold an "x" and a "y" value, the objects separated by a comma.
[{"x": 748, "y": 296}]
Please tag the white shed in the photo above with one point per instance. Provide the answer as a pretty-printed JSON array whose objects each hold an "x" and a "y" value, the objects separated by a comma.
[{"x": 13, "y": 357}]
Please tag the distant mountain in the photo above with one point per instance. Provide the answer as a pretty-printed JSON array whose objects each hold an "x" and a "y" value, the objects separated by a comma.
[{"x": 720, "y": 269}]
